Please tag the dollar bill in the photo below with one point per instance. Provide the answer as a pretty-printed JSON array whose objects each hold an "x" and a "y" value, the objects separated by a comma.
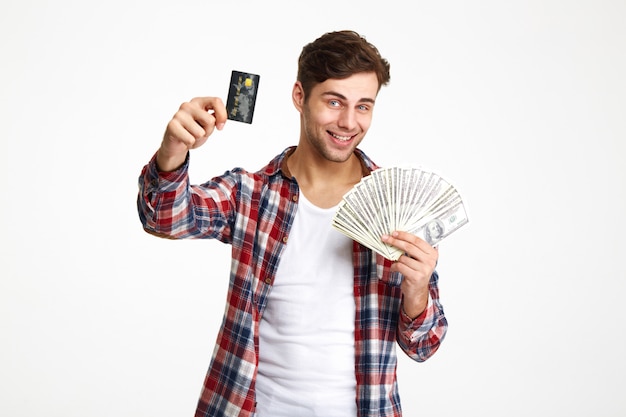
[{"x": 411, "y": 199}]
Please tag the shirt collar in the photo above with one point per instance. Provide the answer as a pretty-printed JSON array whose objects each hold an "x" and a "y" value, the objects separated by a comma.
[{"x": 279, "y": 163}]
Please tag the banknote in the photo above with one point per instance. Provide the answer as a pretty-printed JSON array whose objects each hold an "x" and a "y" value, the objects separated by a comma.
[{"x": 411, "y": 199}]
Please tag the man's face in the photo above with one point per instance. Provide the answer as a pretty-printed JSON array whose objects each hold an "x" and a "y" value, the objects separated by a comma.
[{"x": 338, "y": 114}]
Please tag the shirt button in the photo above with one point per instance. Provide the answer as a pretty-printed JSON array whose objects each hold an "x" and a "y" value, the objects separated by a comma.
[
  {"x": 268, "y": 280},
  {"x": 155, "y": 183},
  {"x": 284, "y": 239},
  {"x": 294, "y": 198}
]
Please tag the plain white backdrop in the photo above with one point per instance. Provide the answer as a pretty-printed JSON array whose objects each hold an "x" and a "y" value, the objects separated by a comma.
[{"x": 521, "y": 104}]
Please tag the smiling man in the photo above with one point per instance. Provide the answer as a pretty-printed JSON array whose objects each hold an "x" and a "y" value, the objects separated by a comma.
[{"x": 313, "y": 318}]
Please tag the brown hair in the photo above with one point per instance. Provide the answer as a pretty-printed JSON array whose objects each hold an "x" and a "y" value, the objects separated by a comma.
[{"x": 339, "y": 55}]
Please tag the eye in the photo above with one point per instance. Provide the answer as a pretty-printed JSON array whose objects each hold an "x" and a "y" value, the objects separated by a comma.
[
  {"x": 363, "y": 107},
  {"x": 334, "y": 103}
]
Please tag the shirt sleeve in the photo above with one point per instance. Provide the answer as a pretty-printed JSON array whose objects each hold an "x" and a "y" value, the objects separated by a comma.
[
  {"x": 420, "y": 337},
  {"x": 170, "y": 207}
]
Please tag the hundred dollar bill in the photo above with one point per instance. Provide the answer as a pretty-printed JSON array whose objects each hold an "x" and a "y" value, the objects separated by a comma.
[
  {"x": 415, "y": 200},
  {"x": 436, "y": 229}
]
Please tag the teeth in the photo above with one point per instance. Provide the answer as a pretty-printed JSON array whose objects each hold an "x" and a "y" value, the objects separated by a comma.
[{"x": 343, "y": 138}]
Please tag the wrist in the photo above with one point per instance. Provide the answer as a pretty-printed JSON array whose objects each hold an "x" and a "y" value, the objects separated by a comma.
[
  {"x": 169, "y": 163},
  {"x": 414, "y": 305}
]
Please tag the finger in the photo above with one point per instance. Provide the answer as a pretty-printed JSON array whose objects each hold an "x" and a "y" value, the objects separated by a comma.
[
  {"x": 195, "y": 123},
  {"x": 409, "y": 262},
  {"x": 412, "y": 246},
  {"x": 220, "y": 113},
  {"x": 195, "y": 119},
  {"x": 178, "y": 132},
  {"x": 213, "y": 106},
  {"x": 408, "y": 267},
  {"x": 405, "y": 240}
]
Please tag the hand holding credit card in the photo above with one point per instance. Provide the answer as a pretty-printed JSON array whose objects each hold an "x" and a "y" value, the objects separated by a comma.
[{"x": 242, "y": 96}]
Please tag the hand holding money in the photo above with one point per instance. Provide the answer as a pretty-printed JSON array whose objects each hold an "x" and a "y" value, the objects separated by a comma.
[
  {"x": 416, "y": 266},
  {"x": 413, "y": 200}
]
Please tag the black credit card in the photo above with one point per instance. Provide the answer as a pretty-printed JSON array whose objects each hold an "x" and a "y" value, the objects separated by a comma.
[{"x": 242, "y": 96}]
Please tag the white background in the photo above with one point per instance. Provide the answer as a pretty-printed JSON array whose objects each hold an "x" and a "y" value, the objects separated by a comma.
[{"x": 520, "y": 104}]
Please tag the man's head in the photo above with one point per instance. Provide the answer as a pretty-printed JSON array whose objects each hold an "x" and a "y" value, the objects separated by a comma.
[{"x": 338, "y": 55}]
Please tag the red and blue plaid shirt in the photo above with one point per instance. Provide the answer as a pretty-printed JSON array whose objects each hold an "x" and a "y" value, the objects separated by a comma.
[{"x": 253, "y": 212}]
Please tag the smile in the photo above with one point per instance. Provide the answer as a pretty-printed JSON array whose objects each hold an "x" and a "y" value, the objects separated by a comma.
[{"x": 341, "y": 138}]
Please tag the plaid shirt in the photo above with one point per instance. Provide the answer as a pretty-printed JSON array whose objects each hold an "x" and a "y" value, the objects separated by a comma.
[{"x": 253, "y": 212}]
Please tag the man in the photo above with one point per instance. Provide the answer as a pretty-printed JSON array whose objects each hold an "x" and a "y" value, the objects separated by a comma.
[{"x": 312, "y": 317}]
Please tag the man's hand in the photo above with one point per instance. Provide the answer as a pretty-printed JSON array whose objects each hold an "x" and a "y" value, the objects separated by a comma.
[
  {"x": 190, "y": 128},
  {"x": 417, "y": 265}
]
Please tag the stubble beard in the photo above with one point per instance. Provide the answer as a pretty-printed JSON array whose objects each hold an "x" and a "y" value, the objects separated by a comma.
[{"x": 317, "y": 138}]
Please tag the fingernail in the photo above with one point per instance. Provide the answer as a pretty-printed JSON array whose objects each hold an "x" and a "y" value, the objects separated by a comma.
[{"x": 220, "y": 126}]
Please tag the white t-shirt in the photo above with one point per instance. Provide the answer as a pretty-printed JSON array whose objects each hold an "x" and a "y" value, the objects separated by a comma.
[{"x": 306, "y": 336}]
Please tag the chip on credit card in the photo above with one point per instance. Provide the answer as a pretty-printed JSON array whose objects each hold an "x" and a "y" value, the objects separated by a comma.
[{"x": 242, "y": 96}]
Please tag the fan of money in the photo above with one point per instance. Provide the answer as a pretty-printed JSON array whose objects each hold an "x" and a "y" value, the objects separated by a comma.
[{"x": 410, "y": 199}]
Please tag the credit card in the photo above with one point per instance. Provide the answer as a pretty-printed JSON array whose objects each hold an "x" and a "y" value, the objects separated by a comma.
[{"x": 242, "y": 96}]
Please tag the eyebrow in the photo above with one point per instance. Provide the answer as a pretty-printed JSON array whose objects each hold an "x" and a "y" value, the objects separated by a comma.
[{"x": 341, "y": 96}]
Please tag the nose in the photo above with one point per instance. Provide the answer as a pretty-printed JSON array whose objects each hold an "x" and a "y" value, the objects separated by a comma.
[{"x": 347, "y": 119}]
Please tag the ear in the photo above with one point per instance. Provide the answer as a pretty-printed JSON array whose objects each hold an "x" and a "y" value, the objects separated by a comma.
[{"x": 297, "y": 95}]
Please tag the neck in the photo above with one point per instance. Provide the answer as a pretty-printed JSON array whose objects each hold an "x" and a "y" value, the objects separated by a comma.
[
  {"x": 323, "y": 182},
  {"x": 312, "y": 168}
]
